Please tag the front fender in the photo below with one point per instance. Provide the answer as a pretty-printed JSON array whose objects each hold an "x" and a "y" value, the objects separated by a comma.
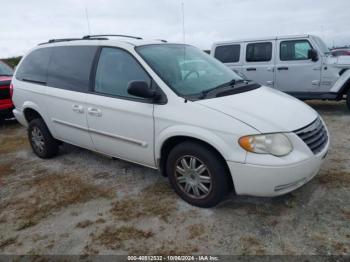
[
  {"x": 224, "y": 143},
  {"x": 339, "y": 86}
]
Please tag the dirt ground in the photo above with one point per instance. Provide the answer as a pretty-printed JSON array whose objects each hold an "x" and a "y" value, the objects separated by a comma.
[{"x": 84, "y": 203}]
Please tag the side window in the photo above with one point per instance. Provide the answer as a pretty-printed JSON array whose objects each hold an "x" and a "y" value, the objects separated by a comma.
[
  {"x": 259, "y": 52},
  {"x": 228, "y": 53},
  {"x": 34, "y": 66},
  {"x": 70, "y": 67},
  {"x": 115, "y": 70},
  {"x": 294, "y": 50}
]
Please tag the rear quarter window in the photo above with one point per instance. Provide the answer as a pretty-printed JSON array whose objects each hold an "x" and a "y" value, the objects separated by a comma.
[
  {"x": 228, "y": 53},
  {"x": 70, "y": 67},
  {"x": 34, "y": 66}
]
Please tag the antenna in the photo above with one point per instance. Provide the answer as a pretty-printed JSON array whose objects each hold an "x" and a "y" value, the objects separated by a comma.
[
  {"x": 183, "y": 21},
  {"x": 87, "y": 19}
]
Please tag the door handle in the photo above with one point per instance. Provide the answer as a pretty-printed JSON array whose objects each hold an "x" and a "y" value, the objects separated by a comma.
[
  {"x": 270, "y": 69},
  {"x": 270, "y": 83},
  {"x": 78, "y": 108},
  {"x": 282, "y": 68},
  {"x": 94, "y": 111},
  {"x": 251, "y": 69}
]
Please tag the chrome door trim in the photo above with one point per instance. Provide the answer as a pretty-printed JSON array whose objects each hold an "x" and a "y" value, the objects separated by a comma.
[
  {"x": 126, "y": 139},
  {"x": 69, "y": 124}
]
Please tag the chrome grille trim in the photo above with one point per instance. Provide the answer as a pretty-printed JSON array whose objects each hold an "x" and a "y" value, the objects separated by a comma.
[{"x": 314, "y": 135}]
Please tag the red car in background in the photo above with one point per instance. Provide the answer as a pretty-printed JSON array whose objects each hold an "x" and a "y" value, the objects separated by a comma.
[
  {"x": 339, "y": 52},
  {"x": 6, "y": 104}
]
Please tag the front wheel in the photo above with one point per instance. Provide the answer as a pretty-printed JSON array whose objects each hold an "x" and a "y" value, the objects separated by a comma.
[{"x": 197, "y": 174}]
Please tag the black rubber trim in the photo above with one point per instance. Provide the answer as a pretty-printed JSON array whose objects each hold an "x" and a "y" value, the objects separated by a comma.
[
  {"x": 238, "y": 90},
  {"x": 314, "y": 95}
]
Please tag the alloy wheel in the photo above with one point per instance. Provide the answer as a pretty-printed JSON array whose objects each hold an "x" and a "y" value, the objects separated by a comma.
[{"x": 193, "y": 177}]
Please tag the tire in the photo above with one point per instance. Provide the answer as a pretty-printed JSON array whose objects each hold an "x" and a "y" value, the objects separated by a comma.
[
  {"x": 41, "y": 140},
  {"x": 348, "y": 99},
  {"x": 193, "y": 156}
]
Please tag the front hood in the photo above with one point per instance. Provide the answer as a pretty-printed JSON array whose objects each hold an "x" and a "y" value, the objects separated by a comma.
[
  {"x": 339, "y": 61},
  {"x": 265, "y": 109}
]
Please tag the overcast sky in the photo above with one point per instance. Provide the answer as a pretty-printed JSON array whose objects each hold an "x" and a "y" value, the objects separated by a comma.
[{"x": 26, "y": 23}]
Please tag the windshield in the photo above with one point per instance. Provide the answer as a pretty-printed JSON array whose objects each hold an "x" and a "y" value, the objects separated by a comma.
[
  {"x": 186, "y": 69},
  {"x": 5, "y": 70},
  {"x": 322, "y": 45}
]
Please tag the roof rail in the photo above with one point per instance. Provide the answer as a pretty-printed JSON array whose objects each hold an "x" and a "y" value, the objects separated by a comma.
[
  {"x": 62, "y": 40},
  {"x": 127, "y": 36},
  {"x": 59, "y": 40},
  {"x": 69, "y": 39}
]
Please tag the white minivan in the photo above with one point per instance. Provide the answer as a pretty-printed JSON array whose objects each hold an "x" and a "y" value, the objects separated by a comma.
[{"x": 169, "y": 107}]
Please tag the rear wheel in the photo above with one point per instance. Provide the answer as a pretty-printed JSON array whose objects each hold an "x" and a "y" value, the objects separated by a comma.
[
  {"x": 348, "y": 99},
  {"x": 41, "y": 140},
  {"x": 197, "y": 174}
]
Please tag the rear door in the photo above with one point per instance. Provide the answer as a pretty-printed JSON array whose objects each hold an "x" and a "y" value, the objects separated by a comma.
[
  {"x": 295, "y": 73},
  {"x": 259, "y": 62},
  {"x": 120, "y": 124},
  {"x": 68, "y": 81}
]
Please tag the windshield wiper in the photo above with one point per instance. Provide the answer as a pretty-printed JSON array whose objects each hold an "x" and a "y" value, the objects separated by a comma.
[
  {"x": 227, "y": 84},
  {"x": 231, "y": 83}
]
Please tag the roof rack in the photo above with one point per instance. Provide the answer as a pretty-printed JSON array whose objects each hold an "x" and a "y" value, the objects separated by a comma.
[
  {"x": 91, "y": 37},
  {"x": 127, "y": 36},
  {"x": 69, "y": 39}
]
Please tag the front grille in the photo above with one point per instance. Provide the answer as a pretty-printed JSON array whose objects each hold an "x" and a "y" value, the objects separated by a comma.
[
  {"x": 5, "y": 93},
  {"x": 314, "y": 135}
]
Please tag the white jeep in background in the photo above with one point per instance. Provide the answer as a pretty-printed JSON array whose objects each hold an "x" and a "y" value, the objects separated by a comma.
[{"x": 301, "y": 65}]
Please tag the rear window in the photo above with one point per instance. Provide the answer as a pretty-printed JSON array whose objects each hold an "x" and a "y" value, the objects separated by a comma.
[
  {"x": 70, "y": 67},
  {"x": 228, "y": 53},
  {"x": 34, "y": 66},
  {"x": 259, "y": 52}
]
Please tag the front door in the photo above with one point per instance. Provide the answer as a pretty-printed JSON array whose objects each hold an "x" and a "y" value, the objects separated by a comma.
[
  {"x": 295, "y": 73},
  {"x": 120, "y": 124},
  {"x": 259, "y": 62}
]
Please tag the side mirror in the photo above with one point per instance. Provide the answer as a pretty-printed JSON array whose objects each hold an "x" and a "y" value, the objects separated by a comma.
[
  {"x": 312, "y": 54},
  {"x": 141, "y": 89}
]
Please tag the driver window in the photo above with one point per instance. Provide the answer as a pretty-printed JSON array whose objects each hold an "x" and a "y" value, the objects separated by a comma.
[
  {"x": 115, "y": 69},
  {"x": 294, "y": 50}
]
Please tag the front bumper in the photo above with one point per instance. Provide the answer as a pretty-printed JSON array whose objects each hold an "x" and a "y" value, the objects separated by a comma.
[{"x": 267, "y": 181}]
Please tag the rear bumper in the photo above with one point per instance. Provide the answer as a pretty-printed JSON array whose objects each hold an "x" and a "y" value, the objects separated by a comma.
[
  {"x": 20, "y": 117},
  {"x": 6, "y": 110},
  {"x": 267, "y": 181}
]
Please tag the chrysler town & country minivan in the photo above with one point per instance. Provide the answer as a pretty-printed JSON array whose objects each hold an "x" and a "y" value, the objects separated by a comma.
[{"x": 169, "y": 107}]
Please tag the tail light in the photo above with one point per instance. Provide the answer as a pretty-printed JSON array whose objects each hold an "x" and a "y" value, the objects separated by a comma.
[{"x": 11, "y": 90}]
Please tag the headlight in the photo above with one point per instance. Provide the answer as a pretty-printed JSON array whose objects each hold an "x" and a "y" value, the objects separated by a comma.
[{"x": 274, "y": 144}]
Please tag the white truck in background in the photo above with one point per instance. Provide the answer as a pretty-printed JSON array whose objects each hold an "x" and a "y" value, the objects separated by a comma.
[{"x": 301, "y": 65}]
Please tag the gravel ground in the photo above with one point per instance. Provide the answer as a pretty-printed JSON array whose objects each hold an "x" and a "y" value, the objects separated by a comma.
[{"x": 84, "y": 203}]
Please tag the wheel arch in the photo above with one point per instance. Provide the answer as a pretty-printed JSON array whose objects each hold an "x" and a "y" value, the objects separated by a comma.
[
  {"x": 342, "y": 85},
  {"x": 172, "y": 141},
  {"x": 32, "y": 111},
  {"x": 31, "y": 114}
]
